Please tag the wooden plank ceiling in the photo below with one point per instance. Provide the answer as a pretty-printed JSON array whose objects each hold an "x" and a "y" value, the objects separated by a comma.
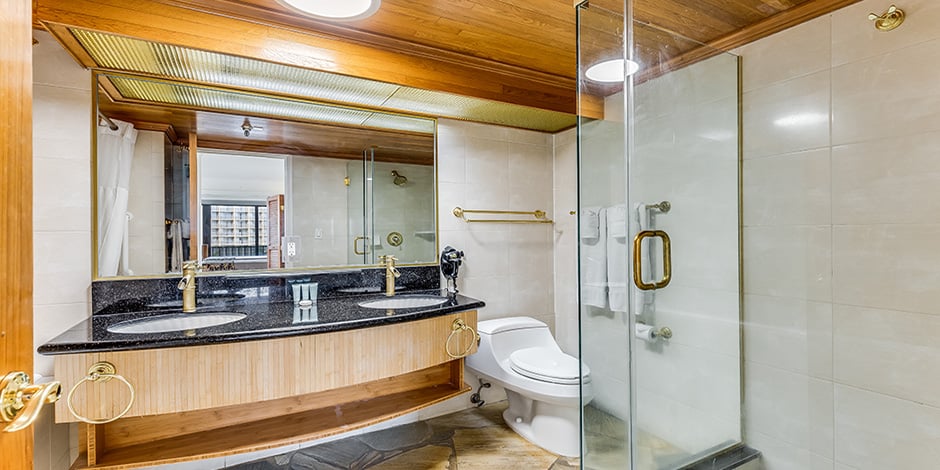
[
  {"x": 535, "y": 35},
  {"x": 515, "y": 51}
]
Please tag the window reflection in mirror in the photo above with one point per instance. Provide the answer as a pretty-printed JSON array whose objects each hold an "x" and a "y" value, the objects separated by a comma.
[{"x": 340, "y": 194}]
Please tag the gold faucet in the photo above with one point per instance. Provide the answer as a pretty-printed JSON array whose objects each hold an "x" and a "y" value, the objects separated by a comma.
[
  {"x": 391, "y": 273},
  {"x": 188, "y": 285}
]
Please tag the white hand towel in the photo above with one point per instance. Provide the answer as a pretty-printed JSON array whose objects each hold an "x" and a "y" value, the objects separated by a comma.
[
  {"x": 594, "y": 257},
  {"x": 590, "y": 223},
  {"x": 617, "y": 221},
  {"x": 644, "y": 300},
  {"x": 617, "y": 257}
]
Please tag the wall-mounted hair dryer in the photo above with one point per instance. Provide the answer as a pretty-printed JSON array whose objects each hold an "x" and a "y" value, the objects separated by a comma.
[{"x": 450, "y": 264}]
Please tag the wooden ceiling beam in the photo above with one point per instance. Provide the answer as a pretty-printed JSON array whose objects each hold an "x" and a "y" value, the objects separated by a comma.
[{"x": 420, "y": 68}]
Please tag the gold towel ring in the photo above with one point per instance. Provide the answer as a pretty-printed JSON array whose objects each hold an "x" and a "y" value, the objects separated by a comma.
[
  {"x": 460, "y": 326},
  {"x": 101, "y": 372}
]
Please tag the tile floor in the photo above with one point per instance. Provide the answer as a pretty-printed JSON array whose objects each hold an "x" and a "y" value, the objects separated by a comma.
[{"x": 471, "y": 439}]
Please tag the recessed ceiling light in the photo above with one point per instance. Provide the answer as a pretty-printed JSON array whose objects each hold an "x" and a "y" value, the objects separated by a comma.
[
  {"x": 333, "y": 10},
  {"x": 613, "y": 70}
]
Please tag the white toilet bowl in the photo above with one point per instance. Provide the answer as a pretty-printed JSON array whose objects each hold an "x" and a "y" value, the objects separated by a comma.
[{"x": 543, "y": 384}]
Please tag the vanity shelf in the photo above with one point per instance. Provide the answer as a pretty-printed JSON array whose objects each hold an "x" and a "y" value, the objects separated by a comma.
[{"x": 209, "y": 401}]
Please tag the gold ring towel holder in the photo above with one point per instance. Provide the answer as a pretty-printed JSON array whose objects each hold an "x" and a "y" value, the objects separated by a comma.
[
  {"x": 460, "y": 326},
  {"x": 101, "y": 372}
]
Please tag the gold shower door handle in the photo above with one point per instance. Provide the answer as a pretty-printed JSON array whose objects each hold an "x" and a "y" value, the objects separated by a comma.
[
  {"x": 638, "y": 260},
  {"x": 364, "y": 245}
]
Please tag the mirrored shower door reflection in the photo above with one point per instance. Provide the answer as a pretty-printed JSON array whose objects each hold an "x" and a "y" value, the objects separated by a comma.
[{"x": 665, "y": 363}]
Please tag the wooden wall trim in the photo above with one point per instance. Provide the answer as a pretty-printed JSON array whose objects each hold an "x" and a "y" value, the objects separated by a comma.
[
  {"x": 16, "y": 211},
  {"x": 153, "y": 21}
]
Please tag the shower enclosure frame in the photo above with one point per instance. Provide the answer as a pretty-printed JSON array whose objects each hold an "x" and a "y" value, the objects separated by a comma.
[{"x": 731, "y": 324}]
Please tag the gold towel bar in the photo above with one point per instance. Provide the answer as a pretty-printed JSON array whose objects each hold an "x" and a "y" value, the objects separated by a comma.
[{"x": 537, "y": 214}]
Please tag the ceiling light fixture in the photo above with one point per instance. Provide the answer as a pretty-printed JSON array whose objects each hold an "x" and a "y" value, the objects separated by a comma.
[
  {"x": 333, "y": 10},
  {"x": 613, "y": 70}
]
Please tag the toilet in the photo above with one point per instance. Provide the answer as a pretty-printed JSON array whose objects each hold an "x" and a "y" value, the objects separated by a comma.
[{"x": 543, "y": 384}]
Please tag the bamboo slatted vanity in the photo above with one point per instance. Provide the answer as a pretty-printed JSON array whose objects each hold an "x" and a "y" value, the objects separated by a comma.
[{"x": 260, "y": 383}]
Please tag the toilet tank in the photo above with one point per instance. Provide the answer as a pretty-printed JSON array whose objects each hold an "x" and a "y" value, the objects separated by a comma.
[{"x": 505, "y": 335}]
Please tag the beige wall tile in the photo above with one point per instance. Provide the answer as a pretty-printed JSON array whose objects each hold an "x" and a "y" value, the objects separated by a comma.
[
  {"x": 889, "y": 352},
  {"x": 791, "y": 53},
  {"x": 790, "y": 189},
  {"x": 790, "y": 334},
  {"x": 876, "y": 432},
  {"x": 62, "y": 268},
  {"x": 787, "y": 117},
  {"x": 699, "y": 317},
  {"x": 886, "y": 181},
  {"x": 509, "y": 267},
  {"x": 886, "y": 96},
  {"x": 790, "y": 407},
  {"x": 61, "y": 194},
  {"x": 53, "y": 66},
  {"x": 855, "y": 39},
  {"x": 779, "y": 455},
  {"x": 62, "y": 122},
  {"x": 887, "y": 266},
  {"x": 788, "y": 261}
]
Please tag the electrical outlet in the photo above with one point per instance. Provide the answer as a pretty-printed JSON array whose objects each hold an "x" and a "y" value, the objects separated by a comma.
[
  {"x": 318, "y": 233},
  {"x": 291, "y": 248}
]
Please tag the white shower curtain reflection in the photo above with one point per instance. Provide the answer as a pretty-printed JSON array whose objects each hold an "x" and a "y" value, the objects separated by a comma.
[{"x": 115, "y": 156}]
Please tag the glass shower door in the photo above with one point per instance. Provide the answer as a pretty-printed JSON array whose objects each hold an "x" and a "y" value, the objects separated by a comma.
[
  {"x": 659, "y": 248},
  {"x": 360, "y": 209}
]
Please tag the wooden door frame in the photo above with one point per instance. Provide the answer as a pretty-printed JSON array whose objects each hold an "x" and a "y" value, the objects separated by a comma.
[{"x": 16, "y": 210}]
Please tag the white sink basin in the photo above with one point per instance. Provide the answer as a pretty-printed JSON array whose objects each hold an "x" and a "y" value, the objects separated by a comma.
[
  {"x": 175, "y": 322},
  {"x": 409, "y": 301}
]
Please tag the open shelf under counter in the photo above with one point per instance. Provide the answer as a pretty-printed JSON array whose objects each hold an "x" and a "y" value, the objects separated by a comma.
[{"x": 213, "y": 400}]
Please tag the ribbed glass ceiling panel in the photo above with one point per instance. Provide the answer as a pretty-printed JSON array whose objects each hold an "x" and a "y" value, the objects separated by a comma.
[
  {"x": 192, "y": 65},
  {"x": 475, "y": 109},
  {"x": 212, "y": 99},
  {"x": 134, "y": 55}
]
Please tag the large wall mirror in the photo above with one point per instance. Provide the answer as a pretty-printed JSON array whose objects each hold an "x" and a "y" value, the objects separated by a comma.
[{"x": 247, "y": 181}]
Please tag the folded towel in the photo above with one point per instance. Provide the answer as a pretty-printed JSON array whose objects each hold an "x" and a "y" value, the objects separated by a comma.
[
  {"x": 594, "y": 258},
  {"x": 617, "y": 221},
  {"x": 590, "y": 222},
  {"x": 617, "y": 258}
]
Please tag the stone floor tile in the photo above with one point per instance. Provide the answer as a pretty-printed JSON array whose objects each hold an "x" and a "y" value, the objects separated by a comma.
[
  {"x": 498, "y": 447},
  {"x": 400, "y": 437},
  {"x": 422, "y": 458}
]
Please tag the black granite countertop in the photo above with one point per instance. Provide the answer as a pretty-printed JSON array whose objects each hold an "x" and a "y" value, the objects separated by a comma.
[{"x": 264, "y": 320}]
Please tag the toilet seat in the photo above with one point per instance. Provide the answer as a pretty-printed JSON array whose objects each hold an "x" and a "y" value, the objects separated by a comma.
[{"x": 547, "y": 365}]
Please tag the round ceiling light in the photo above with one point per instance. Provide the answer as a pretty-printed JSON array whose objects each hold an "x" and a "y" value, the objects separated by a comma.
[
  {"x": 333, "y": 10},
  {"x": 613, "y": 70}
]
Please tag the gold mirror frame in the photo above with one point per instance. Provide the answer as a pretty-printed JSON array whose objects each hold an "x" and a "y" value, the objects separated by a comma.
[{"x": 95, "y": 73}]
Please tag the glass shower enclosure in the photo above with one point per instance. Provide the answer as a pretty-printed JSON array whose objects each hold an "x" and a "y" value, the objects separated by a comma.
[{"x": 659, "y": 244}]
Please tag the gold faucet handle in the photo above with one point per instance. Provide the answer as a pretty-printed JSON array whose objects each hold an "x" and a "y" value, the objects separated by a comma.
[{"x": 191, "y": 265}]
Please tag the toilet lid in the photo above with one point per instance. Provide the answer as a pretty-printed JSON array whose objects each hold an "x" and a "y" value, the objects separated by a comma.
[{"x": 546, "y": 365}]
